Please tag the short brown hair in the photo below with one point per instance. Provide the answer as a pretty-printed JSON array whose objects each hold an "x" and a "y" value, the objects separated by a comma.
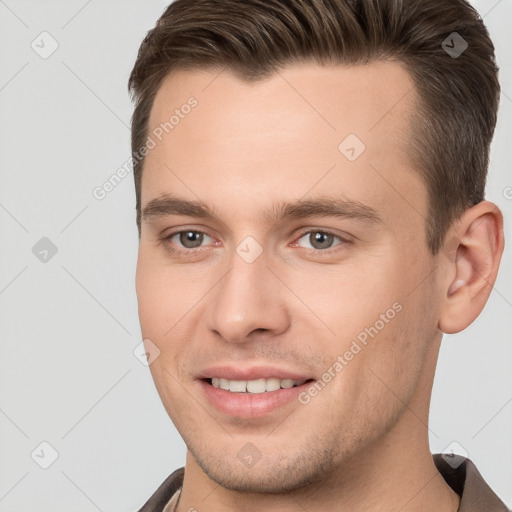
[{"x": 458, "y": 95}]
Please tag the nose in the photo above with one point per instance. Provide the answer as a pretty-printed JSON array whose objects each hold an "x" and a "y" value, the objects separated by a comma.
[{"x": 248, "y": 302}]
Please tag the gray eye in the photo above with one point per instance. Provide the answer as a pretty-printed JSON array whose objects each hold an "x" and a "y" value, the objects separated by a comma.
[
  {"x": 319, "y": 240},
  {"x": 191, "y": 239}
]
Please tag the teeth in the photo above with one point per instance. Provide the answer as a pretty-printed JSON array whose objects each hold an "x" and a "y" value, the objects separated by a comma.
[
  {"x": 273, "y": 384},
  {"x": 238, "y": 386},
  {"x": 254, "y": 386},
  {"x": 287, "y": 383}
]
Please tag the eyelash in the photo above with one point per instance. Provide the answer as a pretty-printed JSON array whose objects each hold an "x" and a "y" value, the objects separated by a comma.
[{"x": 321, "y": 252}]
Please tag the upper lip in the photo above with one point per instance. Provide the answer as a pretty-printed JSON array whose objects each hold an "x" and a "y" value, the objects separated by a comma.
[{"x": 251, "y": 373}]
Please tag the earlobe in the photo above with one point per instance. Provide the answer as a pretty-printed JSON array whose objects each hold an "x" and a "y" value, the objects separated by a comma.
[{"x": 471, "y": 274}]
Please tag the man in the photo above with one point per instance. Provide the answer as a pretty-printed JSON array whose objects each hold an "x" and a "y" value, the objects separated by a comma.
[{"x": 310, "y": 183}]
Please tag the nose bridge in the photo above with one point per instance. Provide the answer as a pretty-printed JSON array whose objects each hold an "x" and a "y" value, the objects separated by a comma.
[{"x": 247, "y": 298}]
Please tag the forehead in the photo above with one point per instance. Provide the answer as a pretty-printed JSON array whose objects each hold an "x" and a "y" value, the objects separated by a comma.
[{"x": 305, "y": 128}]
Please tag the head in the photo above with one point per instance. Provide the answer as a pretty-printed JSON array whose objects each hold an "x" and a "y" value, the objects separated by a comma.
[{"x": 294, "y": 110}]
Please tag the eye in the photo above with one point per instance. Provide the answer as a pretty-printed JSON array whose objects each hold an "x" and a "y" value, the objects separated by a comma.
[
  {"x": 320, "y": 240},
  {"x": 189, "y": 239}
]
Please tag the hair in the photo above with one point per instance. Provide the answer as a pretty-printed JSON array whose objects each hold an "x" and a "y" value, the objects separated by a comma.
[{"x": 457, "y": 96}]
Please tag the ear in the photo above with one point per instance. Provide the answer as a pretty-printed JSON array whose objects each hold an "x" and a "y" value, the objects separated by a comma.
[{"x": 473, "y": 247}]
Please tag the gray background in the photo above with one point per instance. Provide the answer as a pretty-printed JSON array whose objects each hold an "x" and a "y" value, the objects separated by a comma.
[{"x": 68, "y": 375}]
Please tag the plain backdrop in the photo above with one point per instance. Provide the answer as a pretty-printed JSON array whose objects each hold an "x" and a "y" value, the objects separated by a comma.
[{"x": 68, "y": 376}]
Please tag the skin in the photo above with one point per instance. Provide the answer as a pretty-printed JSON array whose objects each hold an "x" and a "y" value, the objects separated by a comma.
[{"x": 362, "y": 443}]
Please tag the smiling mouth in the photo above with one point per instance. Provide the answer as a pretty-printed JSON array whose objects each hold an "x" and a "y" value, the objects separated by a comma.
[{"x": 256, "y": 386}]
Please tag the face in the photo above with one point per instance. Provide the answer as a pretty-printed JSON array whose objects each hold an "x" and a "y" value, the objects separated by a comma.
[{"x": 283, "y": 244}]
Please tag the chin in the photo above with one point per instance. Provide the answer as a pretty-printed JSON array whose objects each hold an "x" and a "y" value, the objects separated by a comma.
[{"x": 280, "y": 475}]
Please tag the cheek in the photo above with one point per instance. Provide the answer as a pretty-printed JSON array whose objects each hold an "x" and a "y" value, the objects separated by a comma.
[
  {"x": 149, "y": 298},
  {"x": 353, "y": 298},
  {"x": 394, "y": 359},
  {"x": 378, "y": 324},
  {"x": 160, "y": 297},
  {"x": 378, "y": 376},
  {"x": 166, "y": 301},
  {"x": 160, "y": 307}
]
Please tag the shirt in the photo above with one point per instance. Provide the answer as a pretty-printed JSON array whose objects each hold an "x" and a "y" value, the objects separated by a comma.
[{"x": 459, "y": 473}]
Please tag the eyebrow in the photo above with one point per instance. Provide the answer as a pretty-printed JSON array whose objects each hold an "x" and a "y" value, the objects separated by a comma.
[{"x": 167, "y": 205}]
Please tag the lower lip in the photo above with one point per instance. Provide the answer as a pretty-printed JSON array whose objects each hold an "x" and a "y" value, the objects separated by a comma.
[{"x": 250, "y": 405}]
